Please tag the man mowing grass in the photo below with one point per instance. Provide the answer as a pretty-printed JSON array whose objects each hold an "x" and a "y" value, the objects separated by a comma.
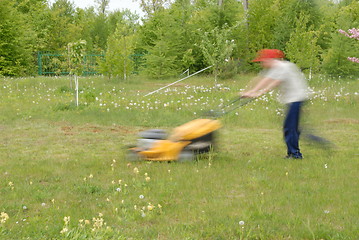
[{"x": 293, "y": 92}]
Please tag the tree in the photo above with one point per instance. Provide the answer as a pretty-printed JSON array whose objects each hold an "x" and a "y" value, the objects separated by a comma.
[
  {"x": 16, "y": 41},
  {"x": 217, "y": 48},
  {"x": 102, "y": 6},
  {"x": 152, "y": 6},
  {"x": 261, "y": 20},
  {"x": 352, "y": 33},
  {"x": 335, "y": 60},
  {"x": 117, "y": 61},
  {"x": 302, "y": 47},
  {"x": 62, "y": 27},
  {"x": 75, "y": 59},
  {"x": 161, "y": 62},
  {"x": 161, "y": 39},
  {"x": 288, "y": 11}
]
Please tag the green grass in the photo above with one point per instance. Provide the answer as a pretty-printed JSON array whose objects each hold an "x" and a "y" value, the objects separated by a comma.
[{"x": 59, "y": 160}]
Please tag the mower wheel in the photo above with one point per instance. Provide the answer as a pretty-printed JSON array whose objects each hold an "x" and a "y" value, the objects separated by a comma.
[{"x": 186, "y": 156}]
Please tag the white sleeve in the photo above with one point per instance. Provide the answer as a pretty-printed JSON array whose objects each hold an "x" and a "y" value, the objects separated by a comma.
[{"x": 277, "y": 73}]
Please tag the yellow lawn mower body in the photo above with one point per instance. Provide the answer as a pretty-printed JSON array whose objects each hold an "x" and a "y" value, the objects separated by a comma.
[{"x": 187, "y": 140}]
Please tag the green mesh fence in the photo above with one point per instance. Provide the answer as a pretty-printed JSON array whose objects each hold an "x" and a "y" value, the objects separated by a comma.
[{"x": 55, "y": 63}]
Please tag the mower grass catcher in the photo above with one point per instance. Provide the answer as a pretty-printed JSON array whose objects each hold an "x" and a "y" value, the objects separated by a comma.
[{"x": 187, "y": 140}]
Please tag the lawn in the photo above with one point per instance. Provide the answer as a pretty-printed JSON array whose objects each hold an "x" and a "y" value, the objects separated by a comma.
[{"x": 64, "y": 172}]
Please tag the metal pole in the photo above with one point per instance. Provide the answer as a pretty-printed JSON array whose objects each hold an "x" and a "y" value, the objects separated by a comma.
[
  {"x": 77, "y": 90},
  {"x": 178, "y": 81}
]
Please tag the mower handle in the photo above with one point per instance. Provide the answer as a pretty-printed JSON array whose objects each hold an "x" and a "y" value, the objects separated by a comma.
[{"x": 222, "y": 111}]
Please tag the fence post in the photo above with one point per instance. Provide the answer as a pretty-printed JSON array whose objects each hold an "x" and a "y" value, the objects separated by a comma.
[{"x": 39, "y": 63}]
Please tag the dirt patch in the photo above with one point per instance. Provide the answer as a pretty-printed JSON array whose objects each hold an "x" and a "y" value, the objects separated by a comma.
[
  {"x": 68, "y": 130},
  {"x": 89, "y": 128},
  {"x": 71, "y": 130},
  {"x": 343, "y": 121}
]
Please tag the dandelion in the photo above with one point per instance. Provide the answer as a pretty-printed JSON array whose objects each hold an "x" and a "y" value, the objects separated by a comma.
[
  {"x": 241, "y": 223},
  {"x": 325, "y": 166},
  {"x": 118, "y": 189},
  {"x": 97, "y": 223},
  {"x": 326, "y": 211},
  {"x": 141, "y": 196},
  {"x": 91, "y": 176},
  {"x": 113, "y": 164},
  {"x": 150, "y": 207},
  {"x": 64, "y": 230},
  {"x": 147, "y": 179},
  {"x": 67, "y": 220},
  {"x": 43, "y": 204},
  {"x": 81, "y": 221},
  {"x": 3, "y": 217},
  {"x": 136, "y": 171}
]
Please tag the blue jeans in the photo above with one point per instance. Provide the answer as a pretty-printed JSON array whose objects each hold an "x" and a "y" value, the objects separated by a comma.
[{"x": 291, "y": 129}]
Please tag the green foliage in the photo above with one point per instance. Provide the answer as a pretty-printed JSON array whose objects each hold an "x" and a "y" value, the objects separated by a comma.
[
  {"x": 65, "y": 89},
  {"x": 302, "y": 47},
  {"x": 260, "y": 23},
  {"x": 75, "y": 57},
  {"x": 217, "y": 48},
  {"x": 62, "y": 25},
  {"x": 16, "y": 42},
  {"x": 117, "y": 61},
  {"x": 288, "y": 13},
  {"x": 335, "y": 60},
  {"x": 162, "y": 35},
  {"x": 99, "y": 32},
  {"x": 161, "y": 61}
]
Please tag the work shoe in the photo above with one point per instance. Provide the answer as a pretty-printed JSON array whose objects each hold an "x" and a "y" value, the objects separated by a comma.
[{"x": 291, "y": 156}]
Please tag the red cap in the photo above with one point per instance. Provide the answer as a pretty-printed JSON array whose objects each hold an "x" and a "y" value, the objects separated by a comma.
[{"x": 267, "y": 54}]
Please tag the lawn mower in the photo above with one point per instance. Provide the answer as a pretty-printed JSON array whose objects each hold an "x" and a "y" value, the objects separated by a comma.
[{"x": 185, "y": 142}]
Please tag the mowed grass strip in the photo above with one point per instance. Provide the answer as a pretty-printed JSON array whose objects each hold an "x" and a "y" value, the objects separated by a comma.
[{"x": 58, "y": 160}]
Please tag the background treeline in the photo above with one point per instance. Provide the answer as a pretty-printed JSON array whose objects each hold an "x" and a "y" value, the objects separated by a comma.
[{"x": 174, "y": 36}]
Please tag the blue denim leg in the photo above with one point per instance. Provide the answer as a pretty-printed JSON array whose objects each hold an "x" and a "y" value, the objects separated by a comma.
[{"x": 291, "y": 129}]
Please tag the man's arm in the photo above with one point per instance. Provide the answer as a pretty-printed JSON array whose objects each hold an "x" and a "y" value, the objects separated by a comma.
[{"x": 263, "y": 86}]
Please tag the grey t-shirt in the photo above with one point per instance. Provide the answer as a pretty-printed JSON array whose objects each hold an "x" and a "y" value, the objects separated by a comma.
[{"x": 293, "y": 87}]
